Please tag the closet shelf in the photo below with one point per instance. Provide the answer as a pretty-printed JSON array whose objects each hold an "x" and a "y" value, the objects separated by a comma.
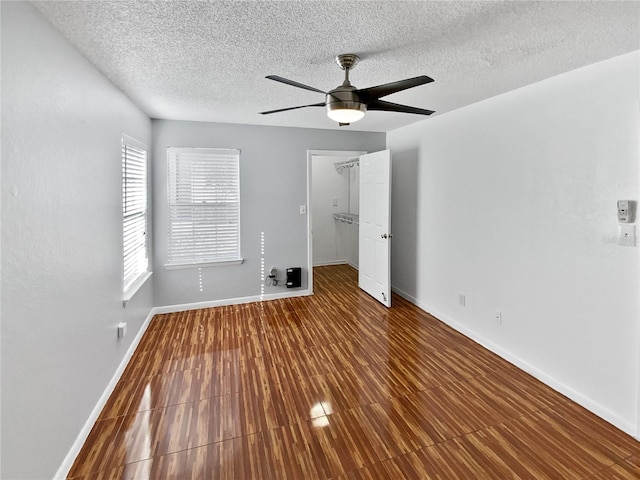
[{"x": 347, "y": 217}]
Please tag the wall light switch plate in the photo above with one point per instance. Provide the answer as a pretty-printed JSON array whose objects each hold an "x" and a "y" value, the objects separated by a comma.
[
  {"x": 624, "y": 211},
  {"x": 303, "y": 209},
  {"x": 627, "y": 235}
]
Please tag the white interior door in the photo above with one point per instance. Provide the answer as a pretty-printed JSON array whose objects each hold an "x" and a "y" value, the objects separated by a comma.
[{"x": 374, "y": 275}]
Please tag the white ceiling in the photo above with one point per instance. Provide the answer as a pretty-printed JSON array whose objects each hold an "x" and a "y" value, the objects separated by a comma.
[{"x": 206, "y": 61}]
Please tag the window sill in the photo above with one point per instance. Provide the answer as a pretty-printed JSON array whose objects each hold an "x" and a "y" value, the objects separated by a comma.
[
  {"x": 133, "y": 289},
  {"x": 222, "y": 263}
]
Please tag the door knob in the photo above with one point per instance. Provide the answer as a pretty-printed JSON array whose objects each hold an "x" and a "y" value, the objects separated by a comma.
[{"x": 386, "y": 235}]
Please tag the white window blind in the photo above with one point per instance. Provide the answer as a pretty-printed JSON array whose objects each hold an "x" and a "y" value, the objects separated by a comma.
[
  {"x": 204, "y": 206},
  {"x": 134, "y": 212}
]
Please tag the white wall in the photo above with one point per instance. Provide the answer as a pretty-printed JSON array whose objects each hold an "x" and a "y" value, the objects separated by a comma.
[
  {"x": 62, "y": 123},
  {"x": 273, "y": 185},
  {"x": 351, "y": 233},
  {"x": 334, "y": 242},
  {"x": 512, "y": 201}
]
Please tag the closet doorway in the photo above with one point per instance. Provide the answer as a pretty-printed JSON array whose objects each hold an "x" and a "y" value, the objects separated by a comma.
[{"x": 333, "y": 199}]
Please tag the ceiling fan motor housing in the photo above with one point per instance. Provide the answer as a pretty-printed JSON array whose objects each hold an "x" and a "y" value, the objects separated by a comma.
[{"x": 344, "y": 98}]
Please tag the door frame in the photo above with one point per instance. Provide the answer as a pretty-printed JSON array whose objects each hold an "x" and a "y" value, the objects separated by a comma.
[{"x": 310, "y": 155}]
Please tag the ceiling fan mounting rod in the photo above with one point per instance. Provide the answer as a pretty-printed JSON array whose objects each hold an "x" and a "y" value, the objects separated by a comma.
[
  {"x": 346, "y": 62},
  {"x": 346, "y": 82}
]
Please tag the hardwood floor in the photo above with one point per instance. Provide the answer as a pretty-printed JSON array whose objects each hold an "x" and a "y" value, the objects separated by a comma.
[{"x": 335, "y": 386}]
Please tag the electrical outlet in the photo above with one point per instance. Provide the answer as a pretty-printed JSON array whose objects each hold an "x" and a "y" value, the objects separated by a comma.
[
  {"x": 462, "y": 299},
  {"x": 122, "y": 329},
  {"x": 627, "y": 235},
  {"x": 497, "y": 317}
]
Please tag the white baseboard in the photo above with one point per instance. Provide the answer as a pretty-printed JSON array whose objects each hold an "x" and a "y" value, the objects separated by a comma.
[
  {"x": 229, "y": 301},
  {"x": 545, "y": 378},
  {"x": 67, "y": 463},
  {"x": 332, "y": 262},
  {"x": 406, "y": 296},
  {"x": 337, "y": 262}
]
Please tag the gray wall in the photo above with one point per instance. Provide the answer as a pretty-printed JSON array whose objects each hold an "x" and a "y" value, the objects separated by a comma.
[
  {"x": 273, "y": 185},
  {"x": 512, "y": 202},
  {"x": 62, "y": 123}
]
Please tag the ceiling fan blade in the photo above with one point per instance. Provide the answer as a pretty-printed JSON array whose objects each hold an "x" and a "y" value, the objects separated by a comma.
[
  {"x": 396, "y": 107},
  {"x": 293, "y": 108},
  {"x": 373, "y": 93},
  {"x": 293, "y": 83}
]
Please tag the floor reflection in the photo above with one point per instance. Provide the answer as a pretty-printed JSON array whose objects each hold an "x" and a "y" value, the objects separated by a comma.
[
  {"x": 320, "y": 414},
  {"x": 138, "y": 439}
]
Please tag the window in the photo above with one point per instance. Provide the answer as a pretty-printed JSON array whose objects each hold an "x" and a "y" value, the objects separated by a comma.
[
  {"x": 134, "y": 215},
  {"x": 204, "y": 206}
]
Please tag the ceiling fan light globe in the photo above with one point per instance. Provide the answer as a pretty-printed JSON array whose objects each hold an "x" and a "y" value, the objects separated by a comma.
[{"x": 346, "y": 113}]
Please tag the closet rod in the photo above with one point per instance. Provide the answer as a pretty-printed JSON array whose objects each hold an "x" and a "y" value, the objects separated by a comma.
[
  {"x": 347, "y": 218},
  {"x": 349, "y": 163}
]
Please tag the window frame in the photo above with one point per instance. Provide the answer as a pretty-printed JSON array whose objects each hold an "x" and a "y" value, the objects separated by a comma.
[
  {"x": 199, "y": 260},
  {"x": 131, "y": 220}
]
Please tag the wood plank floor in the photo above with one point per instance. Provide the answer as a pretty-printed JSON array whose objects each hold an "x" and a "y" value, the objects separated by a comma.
[{"x": 335, "y": 386}]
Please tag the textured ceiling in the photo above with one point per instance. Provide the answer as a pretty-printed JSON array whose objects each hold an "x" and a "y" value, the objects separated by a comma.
[{"x": 193, "y": 60}]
